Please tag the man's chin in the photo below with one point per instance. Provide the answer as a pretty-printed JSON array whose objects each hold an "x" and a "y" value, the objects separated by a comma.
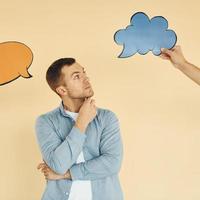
[{"x": 90, "y": 94}]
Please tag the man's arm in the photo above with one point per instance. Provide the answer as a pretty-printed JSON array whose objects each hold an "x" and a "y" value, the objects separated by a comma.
[
  {"x": 58, "y": 155},
  {"x": 176, "y": 57},
  {"x": 106, "y": 164},
  {"x": 109, "y": 161}
]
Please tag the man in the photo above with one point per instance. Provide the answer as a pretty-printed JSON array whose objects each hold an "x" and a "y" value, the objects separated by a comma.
[
  {"x": 80, "y": 144},
  {"x": 176, "y": 57}
]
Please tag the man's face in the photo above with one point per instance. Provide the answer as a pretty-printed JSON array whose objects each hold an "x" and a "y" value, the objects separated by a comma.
[{"x": 76, "y": 82}]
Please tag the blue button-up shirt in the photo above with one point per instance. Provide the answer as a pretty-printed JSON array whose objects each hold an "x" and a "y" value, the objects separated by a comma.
[{"x": 61, "y": 142}]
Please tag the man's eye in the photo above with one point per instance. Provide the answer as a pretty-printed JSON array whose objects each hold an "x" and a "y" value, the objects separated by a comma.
[{"x": 77, "y": 76}]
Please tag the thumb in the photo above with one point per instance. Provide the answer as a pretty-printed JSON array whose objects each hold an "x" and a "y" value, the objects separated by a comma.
[
  {"x": 166, "y": 51},
  {"x": 88, "y": 99}
]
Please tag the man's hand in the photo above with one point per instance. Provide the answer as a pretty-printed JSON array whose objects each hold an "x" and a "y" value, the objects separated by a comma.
[
  {"x": 50, "y": 174},
  {"x": 87, "y": 113},
  {"x": 175, "y": 55}
]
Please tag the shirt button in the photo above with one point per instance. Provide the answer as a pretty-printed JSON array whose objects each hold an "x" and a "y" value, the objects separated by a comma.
[{"x": 67, "y": 193}]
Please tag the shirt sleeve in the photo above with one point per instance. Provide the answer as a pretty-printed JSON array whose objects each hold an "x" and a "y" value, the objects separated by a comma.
[
  {"x": 111, "y": 151},
  {"x": 59, "y": 155}
]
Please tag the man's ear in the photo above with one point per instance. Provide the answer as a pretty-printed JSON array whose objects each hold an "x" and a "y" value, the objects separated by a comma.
[{"x": 61, "y": 90}]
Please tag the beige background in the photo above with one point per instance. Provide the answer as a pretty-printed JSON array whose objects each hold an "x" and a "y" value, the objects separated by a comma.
[{"x": 157, "y": 105}]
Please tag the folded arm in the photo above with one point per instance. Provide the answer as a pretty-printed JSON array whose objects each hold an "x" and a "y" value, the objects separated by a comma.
[
  {"x": 59, "y": 155},
  {"x": 111, "y": 150}
]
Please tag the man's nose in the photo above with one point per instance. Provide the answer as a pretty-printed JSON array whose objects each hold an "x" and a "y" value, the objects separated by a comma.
[{"x": 86, "y": 79}]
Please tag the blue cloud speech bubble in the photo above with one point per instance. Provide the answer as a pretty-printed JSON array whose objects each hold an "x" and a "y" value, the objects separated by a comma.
[{"x": 144, "y": 35}]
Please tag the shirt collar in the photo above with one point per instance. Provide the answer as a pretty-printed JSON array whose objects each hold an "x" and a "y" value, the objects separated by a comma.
[{"x": 62, "y": 110}]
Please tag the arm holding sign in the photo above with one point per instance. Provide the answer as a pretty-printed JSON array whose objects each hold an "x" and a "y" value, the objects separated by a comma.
[{"x": 176, "y": 57}]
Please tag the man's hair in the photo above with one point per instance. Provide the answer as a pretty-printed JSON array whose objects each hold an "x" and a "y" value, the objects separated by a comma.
[{"x": 54, "y": 74}]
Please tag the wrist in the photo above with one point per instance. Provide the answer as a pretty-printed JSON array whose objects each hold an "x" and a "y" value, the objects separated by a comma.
[
  {"x": 183, "y": 65},
  {"x": 81, "y": 125}
]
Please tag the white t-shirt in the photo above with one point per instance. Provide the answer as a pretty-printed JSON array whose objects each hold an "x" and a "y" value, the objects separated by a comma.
[{"x": 80, "y": 190}]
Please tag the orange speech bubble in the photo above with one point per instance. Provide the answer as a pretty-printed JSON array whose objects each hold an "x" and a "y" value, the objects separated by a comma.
[{"x": 15, "y": 59}]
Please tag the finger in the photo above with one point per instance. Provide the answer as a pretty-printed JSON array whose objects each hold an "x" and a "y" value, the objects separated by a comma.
[
  {"x": 173, "y": 49},
  {"x": 164, "y": 56},
  {"x": 166, "y": 51},
  {"x": 47, "y": 169},
  {"x": 177, "y": 47},
  {"x": 93, "y": 105},
  {"x": 44, "y": 170},
  {"x": 45, "y": 173},
  {"x": 87, "y": 100},
  {"x": 92, "y": 101},
  {"x": 47, "y": 177},
  {"x": 40, "y": 165}
]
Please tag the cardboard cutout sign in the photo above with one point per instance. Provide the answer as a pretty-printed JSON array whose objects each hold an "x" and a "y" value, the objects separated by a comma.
[
  {"x": 15, "y": 59},
  {"x": 144, "y": 35}
]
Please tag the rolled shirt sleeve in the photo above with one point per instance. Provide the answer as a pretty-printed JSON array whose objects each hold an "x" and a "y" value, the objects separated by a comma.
[{"x": 59, "y": 155}]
